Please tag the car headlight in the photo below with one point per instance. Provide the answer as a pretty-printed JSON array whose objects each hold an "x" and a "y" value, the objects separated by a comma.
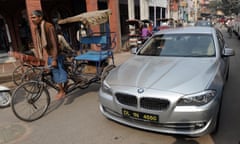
[
  {"x": 106, "y": 88},
  {"x": 197, "y": 99}
]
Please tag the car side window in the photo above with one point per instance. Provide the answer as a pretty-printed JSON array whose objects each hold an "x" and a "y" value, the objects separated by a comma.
[{"x": 151, "y": 48}]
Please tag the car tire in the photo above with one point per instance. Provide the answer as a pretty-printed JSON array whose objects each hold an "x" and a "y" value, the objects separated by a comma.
[
  {"x": 217, "y": 119},
  {"x": 216, "y": 125}
]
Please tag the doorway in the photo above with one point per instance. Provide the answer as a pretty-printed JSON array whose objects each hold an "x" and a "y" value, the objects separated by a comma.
[{"x": 4, "y": 42}]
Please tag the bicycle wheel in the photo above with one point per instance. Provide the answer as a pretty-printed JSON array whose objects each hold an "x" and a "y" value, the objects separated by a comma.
[
  {"x": 19, "y": 72},
  {"x": 30, "y": 101}
]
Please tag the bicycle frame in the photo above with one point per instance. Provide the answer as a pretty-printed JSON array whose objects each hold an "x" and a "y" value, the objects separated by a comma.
[{"x": 46, "y": 78}]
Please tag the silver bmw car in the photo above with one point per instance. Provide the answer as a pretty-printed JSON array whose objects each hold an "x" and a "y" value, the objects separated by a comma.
[{"x": 173, "y": 84}]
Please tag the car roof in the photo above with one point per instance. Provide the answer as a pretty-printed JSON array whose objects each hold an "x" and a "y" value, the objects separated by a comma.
[{"x": 190, "y": 30}]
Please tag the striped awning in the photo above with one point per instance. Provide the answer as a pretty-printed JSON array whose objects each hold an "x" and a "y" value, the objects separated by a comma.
[{"x": 89, "y": 18}]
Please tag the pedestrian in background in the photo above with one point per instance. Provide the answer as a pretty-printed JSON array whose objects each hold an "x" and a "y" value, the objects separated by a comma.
[
  {"x": 145, "y": 33},
  {"x": 63, "y": 45},
  {"x": 82, "y": 32}
]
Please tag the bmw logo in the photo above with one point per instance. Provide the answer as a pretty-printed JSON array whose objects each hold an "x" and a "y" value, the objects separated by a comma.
[{"x": 140, "y": 90}]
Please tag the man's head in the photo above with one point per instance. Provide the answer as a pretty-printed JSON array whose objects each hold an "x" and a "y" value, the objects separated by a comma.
[{"x": 36, "y": 17}]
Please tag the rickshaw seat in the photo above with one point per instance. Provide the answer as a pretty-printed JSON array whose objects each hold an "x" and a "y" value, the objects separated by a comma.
[
  {"x": 91, "y": 52},
  {"x": 104, "y": 39},
  {"x": 92, "y": 57}
]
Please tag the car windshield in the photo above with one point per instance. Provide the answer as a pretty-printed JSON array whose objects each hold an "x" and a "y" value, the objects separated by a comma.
[{"x": 179, "y": 45}]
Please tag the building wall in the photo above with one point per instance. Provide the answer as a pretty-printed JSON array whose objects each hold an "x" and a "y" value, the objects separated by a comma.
[{"x": 11, "y": 15}]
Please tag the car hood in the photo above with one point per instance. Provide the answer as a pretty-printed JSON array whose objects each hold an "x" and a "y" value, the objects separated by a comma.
[{"x": 181, "y": 75}]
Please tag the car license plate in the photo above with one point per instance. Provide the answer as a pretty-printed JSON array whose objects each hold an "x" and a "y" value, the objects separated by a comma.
[{"x": 139, "y": 115}]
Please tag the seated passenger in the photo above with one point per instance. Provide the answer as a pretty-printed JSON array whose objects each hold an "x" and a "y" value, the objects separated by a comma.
[{"x": 145, "y": 33}]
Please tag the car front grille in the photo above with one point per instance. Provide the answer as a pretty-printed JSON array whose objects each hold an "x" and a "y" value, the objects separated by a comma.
[
  {"x": 127, "y": 99},
  {"x": 146, "y": 103},
  {"x": 154, "y": 103}
]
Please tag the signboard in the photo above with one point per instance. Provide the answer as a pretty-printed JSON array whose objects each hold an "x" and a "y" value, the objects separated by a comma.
[
  {"x": 183, "y": 4},
  {"x": 158, "y": 3}
]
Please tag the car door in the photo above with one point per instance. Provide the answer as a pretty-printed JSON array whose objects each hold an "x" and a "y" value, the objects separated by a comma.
[{"x": 224, "y": 61}]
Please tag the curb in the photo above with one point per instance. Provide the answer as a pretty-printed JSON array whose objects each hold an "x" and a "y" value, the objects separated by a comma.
[
  {"x": 5, "y": 78},
  {"x": 7, "y": 65}
]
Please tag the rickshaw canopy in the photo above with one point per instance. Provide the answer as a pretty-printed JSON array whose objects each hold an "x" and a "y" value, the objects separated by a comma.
[
  {"x": 147, "y": 21},
  {"x": 89, "y": 18},
  {"x": 134, "y": 22}
]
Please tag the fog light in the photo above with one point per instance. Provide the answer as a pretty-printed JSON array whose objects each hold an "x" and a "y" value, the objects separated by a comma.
[{"x": 200, "y": 125}]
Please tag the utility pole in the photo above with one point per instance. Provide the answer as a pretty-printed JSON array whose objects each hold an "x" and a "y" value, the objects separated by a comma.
[{"x": 155, "y": 15}]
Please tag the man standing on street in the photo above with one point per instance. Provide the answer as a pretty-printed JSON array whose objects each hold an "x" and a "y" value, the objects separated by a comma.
[{"x": 47, "y": 49}]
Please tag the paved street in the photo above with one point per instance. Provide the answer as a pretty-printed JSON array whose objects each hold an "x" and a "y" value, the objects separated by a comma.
[{"x": 77, "y": 119}]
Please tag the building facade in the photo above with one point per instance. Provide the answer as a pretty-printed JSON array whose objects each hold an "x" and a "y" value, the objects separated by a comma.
[{"x": 16, "y": 29}]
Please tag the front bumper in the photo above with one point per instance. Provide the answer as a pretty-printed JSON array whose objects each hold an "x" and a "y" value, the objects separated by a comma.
[{"x": 191, "y": 121}]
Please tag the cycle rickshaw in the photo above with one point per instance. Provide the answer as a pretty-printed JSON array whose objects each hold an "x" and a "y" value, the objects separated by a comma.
[
  {"x": 134, "y": 35},
  {"x": 30, "y": 100}
]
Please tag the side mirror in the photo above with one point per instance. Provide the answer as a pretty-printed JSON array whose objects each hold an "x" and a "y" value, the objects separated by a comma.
[{"x": 228, "y": 52}]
